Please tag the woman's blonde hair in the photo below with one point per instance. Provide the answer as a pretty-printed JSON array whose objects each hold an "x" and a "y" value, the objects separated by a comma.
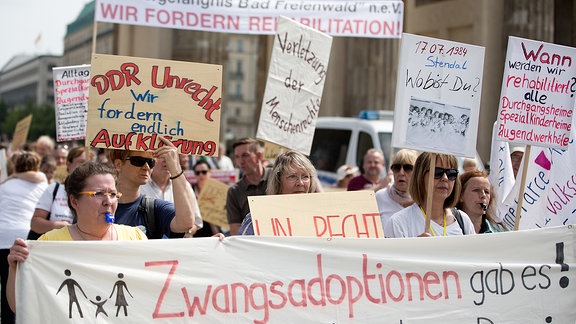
[{"x": 289, "y": 161}]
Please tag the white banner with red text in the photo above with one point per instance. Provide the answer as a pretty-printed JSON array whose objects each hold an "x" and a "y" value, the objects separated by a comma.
[
  {"x": 370, "y": 18},
  {"x": 515, "y": 277}
]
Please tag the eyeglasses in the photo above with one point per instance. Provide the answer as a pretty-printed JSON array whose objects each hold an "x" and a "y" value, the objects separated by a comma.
[
  {"x": 451, "y": 174},
  {"x": 139, "y": 161},
  {"x": 199, "y": 172},
  {"x": 295, "y": 178},
  {"x": 102, "y": 194},
  {"x": 406, "y": 167}
]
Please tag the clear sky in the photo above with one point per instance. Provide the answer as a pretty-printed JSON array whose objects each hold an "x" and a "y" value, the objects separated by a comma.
[{"x": 22, "y": 22}]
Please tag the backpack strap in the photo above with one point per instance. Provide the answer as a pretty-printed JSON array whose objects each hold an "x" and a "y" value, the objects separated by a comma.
[
  {"x": 53, "y": 197},
  {"x": 147, "y": 209},
  {"x": 459, "y": 219}
]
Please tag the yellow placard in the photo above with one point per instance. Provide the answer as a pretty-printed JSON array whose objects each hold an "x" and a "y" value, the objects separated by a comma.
[
  {"x": 133, "y": 101},
  {"x": 21, "y": 131},
  {"x": 326, "y": 214},
  {"x": 212, "y": 202}
]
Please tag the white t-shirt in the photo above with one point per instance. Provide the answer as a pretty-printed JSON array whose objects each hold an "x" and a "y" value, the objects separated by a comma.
[
  {"x": 59, "y": 210},
  {"x": 151, "y": 189},
  {"x": 386, "y": 206},
  {"x": 410, "y": 221},
  {"x": 18, "y": 198}
]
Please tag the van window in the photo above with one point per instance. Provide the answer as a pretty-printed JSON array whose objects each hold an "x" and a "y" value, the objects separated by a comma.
[
  {"x": 364, "y": 144},
  {"x": 386, "y": 143},
  {"x": 329, "y": 148}
]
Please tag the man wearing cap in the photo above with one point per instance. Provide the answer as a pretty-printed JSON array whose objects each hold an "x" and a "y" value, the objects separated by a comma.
[
  {"x": 344, "y": 174},
  {"x": 516, "y": 155}
]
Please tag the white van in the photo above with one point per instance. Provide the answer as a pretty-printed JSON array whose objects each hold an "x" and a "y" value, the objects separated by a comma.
[{"x": 344, "y": 140}]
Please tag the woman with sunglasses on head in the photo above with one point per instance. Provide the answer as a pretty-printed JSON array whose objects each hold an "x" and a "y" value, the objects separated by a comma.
[
  {"x": 93, "y": 198},
  {"x": 292, "y": 173},
  {"x": 476, "y": 199},
  {"x": 396, "y": 197},
  {"x": 170, "y": 219},
  {"x": 445, "y": 191}
]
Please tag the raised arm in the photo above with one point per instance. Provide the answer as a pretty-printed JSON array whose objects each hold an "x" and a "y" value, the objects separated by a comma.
[{"x": 184, "y": 199}]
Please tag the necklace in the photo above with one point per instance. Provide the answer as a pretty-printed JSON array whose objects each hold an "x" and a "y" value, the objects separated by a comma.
[
  {"x": 81, "y": 232},
  {"x": 431, "y": 229}
]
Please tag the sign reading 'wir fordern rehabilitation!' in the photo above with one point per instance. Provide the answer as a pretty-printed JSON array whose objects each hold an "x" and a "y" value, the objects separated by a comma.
[{"x": 133, "y": 101}]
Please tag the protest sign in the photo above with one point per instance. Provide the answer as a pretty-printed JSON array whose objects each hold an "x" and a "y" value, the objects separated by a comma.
[
  {"x": 549, "y": 191},
  {"x": 501, "y": 174},
  {"x": 294, "y": 88},
  {"x": 228, "y": 177},
  {"x": 21, "y": 132},
  {"x": 304, "y": 280},
  {"x": 71, "y": 86},
  {"x": 371, "y": 18},
  {"x": 212, "y": 202},
  {"x": 326, "y": 214},
  {"x": 133, "y": 101},
  {"x": 272, "y": 150},
  {"x": 438, "y": 95},
  {"x": 537, "y": 98}
]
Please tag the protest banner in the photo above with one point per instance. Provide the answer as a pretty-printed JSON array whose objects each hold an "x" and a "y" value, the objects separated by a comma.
[
  {"x": 326, "y": 214},
  {"x": 294, "y": 87},
  {"x": 21, "y": 132},
  {"x": 304, "y": 280},
  {"x": 212, "y": 202},
  {"x": 438, "y": 95},
  {"x": 228, "y": 177},
  {"x": 371, "y": 18},
  {"x": 133, "y": 101},
  {"x": 549, "y": 190},
  {"x": 537, "y": 98},
  {"x": 71, "y": 87}
]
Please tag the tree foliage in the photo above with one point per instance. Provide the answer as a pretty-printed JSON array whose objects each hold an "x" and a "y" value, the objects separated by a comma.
[{"x": 43, "y": 120}]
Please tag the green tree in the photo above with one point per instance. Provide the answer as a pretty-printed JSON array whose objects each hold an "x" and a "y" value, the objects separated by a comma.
[{"x": 43, "y": 120}]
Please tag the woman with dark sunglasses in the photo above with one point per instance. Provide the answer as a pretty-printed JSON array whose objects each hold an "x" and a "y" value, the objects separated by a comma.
[
  {"x": 202, "y": 171},
  {"x": 410, "y": 222},
  {"x": 396, "y": 197},
  {"x": 134, "y": 170}
]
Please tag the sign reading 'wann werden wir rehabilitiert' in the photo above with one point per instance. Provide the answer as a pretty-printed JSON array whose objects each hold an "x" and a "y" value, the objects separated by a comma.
[
  {"x": 537, "y": 98},
  {"x": 133, "y": 101}
]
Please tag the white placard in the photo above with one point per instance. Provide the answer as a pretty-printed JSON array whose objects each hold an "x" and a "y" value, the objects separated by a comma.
[
  {"x": 71, "y": 88},
  {"x": 438, "y": 95},
  {"x": 294, "y": 87},
  {"x": 537, "y": 98}
]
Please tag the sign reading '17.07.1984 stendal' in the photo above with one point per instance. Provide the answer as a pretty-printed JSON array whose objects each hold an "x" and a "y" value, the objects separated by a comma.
[
  {"x": 133, "y": 101},
  {"x": 537, "y": 99}
]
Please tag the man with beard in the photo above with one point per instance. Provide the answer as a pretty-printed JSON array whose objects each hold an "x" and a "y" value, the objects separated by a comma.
[{"x": 371, "y": 177}]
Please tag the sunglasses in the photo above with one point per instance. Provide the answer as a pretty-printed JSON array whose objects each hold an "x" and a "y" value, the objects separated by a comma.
[
  {"x": 199, "y": 172},
  {"x": 451, "y": 174},
  {"x": 139, "y": 161},
  {"x": 406, "y": 167}
]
